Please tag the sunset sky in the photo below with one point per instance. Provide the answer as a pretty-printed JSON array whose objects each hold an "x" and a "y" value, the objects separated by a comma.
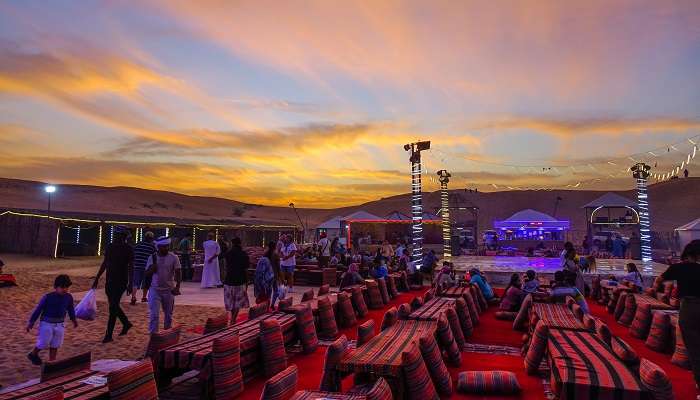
[{"x": 311, "y": 101}]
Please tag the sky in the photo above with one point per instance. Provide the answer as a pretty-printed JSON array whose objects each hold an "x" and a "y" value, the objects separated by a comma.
[{"x": 311, "y": 102}]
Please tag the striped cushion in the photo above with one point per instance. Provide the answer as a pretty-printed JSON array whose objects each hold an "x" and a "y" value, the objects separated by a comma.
[
  {"x": 380, "y": 391},
  {"x": 274, "y": 356},
  {"x": 415, "y": 371},
  {"x": 391, "y": 285},
  {"x": 216, "y": 323},
  {"x": 659, "y": 334},
  {"x": 282, "y": 386},
  {"x": 133, "y": 382},
  {"x": 455, "y": 326},
  {"x": 488, "y": 382},
  {"x": 624, "y": 351},
  {"x": 620, "y": 304},
  {"x": 429, "y": 295},
  {"x": 603, "y": 332},
  {"x": 226, "y": 367},
  {"x": 675, "y": 301},
  {"x": 374, "y": 295},
  {"x": 54, "y": 369},
  {"x": 521, "y": 318},
  {"x": 330, "y": 381},
  {"x": 307, "y": 295},
  {"x": 595, "y": 287},
  {"x": 328, "y": 328},
  {"x": 538, "y": 345},
  {"x": 630, "y": 309},
  {"x": 365, "y": 332},
  {"x": 258, "y": 310},
  {"x": 383, "y": 290},
  {"x": 159, "y": 341},
  {"x": 642, "y": 322},
  {"x": 358, "y": 301},
  {"x": 390, "y": 318},
  {"x": 475, "y": 296},
  {"x": 324, "y": 289},
  {"x": 578, "y": 311},
  {"x": 480, "y": 297},
  {"x": 416, "y": 303},
  {"x": 285, "y": 303},
  {"x": 404, "y": 311},
  {"x": 506, "y": 315},
  {"x": 306, "y": 329},
  {"x": 447, "y": 341},
  {"x": 589, "y": 322},
  {"x": 436, "y": 366},
  {"x": 464, "y": 317},
  {"x": 473, "y": 308},
  {"x": 655, "y": 380},
  {"x": 51, "y": 394},
  {"x": 680, "y": 355},
  {"x": 347, "y": 313}
]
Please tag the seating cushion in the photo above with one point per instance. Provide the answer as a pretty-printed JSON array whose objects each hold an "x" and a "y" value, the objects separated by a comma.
[
  {"x": 475, "y": 296},
  {"x": 655, "y": 380},
  {"x": 680, "y": 354},
  {"x": 447, "y": 340},
  {"x": 659, "y": 334},
  {"x": 380, "y": 391},
  {"x": 324, "y": 289},
  {"x": 436, "y": 366},
  {"x": 159, "y": 341},
  {"x": 603, "y": 332},
  {"x": 455, "y": 326},
  {"x": 54, "y": 369},
  {"x": 523, "y": 314},
  {"x": 589, "y": 322},
  {"x": 347, "y": 313},
  {"x": 328, "y": 328},
  {"x": 258, "y": 310},
  {"x": 416, "y": 303},
  {"x": 226, "y": 367},
  {"x": 216, "y": 323},
  {"x": 464, "y": 318},
  {"x": 374, "y": 295},
  {"x": 488, "y": 382},
  {"x": 307, "y": 295},
  {"x": 473, "y": 309},
  {"x": 578, "y": 311},
  {"x": 429, "y": 295},
  {"x": 624, "y": 352},
  {"x": 358, "y": 301},
  {"x": 282, "y": 386},
  {"x": 390, "y": 318},
  {"x": 330, "y": 381},
  {"x": 642, "y": 322},
  {"x": 51, "y": 394},
  {"x": 133, "y": 382},
  {"x": 391, "y": 285},
  {"x": 536, "y": 350},
  {"x": 506, "y": 315},
  {"x": 620, "y": 305},
  {"x": 365, "y": 332},
  {"x": 306, "y": 329},
  {"x": 404, "y": 311},
  {"x": 480, "y": 297},
  {"x": 630, "y": 309},
  {"x": 284, "y": 303},
  {"x": 383, "y": 290},
  {"x": 421, "y": 386},
  {"x": 274, "y": 356}
]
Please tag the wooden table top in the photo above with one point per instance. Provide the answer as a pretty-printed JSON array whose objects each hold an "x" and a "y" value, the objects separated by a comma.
[
  {"x": 557, "y": 316},
  {"x": 432, "y": 309},
  {"x": 73, "y": 387}
]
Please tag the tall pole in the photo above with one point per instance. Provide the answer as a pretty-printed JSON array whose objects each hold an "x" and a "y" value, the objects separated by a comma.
[
  {"x": 416, "y": 201},
  {"x": 303, "y": 228},
  {"x": 444, "y": 177},
  {"x": 640, "y": 172}
]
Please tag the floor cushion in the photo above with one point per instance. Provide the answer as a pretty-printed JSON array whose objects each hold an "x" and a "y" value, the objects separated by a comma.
[
  {"x": 488, "y": 382},
  {"x": 391, "y": 285},
  {"x": 416, "y": 303},
  {"x": 374, "y": 295},
  {"x": 57, "y": 368},
  {"x": 436, "y": 366},
  {"x": 603, "y": 331},
  {"x": 659, "y": 334},
  {"x": 630, "y": 309},
  {"x": 159, "y": 341},
  {"x": 383, "y": 290},
  {"x": 624, "y": 352},
  {"x": 642, "y": 322},
  {"x": 655, "y": 380},
  {"x": 578, "y": 311},
  {"x": 324, "y": 289},
  {"x": 620, "y": 304},
  {"x": 216, "y": 323},
  {"x": 480, "y": 297},
  {"x": 306, "y": 328},
  {"x": 448, "y": 342},
  {"x": 680, "y": 354},
  {"x": 537, "y": 348},
  {"x": 133, "y": 382},
  {"x": 475, "y": 296},
  {"x": 274, "y": 356},
  {"x": 330, "y": 381},
  {"x": 285, "y": 303},
  {"x": 455, "y": 326},
  {"x": 328, "y": 328},
  {"x": 429, "y": 295},
  {"x": 523, "y": 313},
  {"x": 421, "y": 385},
  {"x": 258, "y": 310},
  {"x": 464, "y": 318},
  {"x": 473, "y": 309},
  {"x": 282, "y": 386},
  {"x": 347, "y": 313},
  {"x": 358, "y": 302},
  {"x": 379, "y": 391},
  {"x": 569, "y": 301},
  {"x": 307, "y": 295},
  {"x": 506, "y": 315},
  {"x": 390, "y": 318},
  {"x": 226, "y": 367},
  {"x": 365, "y": 332},
  {"x": 404, "y": 311},
  {"x": 589, "y": 322}
]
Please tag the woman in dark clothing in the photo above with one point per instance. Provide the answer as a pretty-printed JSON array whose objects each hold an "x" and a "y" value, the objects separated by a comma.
[
  {"x": 236, "y": 279},
  {"x": 351, "y": 277}
]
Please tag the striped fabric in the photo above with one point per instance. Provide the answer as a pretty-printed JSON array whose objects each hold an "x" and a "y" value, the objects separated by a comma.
[
  {"x": 416, "y": 303},
  {"x": 274, "y": 356},
  {"x": 307, "y": 295},
  {"x": 480, "y": 297},
  {"x": 436, "y": 366},
  {"x": 374, "y": 295},
  {"x": 603, "y": 332},
  {"x": 347, "y": 313},
  {"x": 282, "y": 386},
  {"x": 404, "y": 311},
  {"x": 383, "y": 290},
  {"x": 589, "y": 322},
  {"x": 475, "y": 297},
  {"x": 536, "y": 350},
  {"x": 655, "y": 380},
  {"x": 429, "y": 295},
  {"x": 455, "y": 291},
  {"x": 358, "y": 302},
  {"x": 284, "y": 303},
  {"x": 660, "y": 332},
  {"x": 306, "y": 329},
  {"x": 620, "y": 305},
  {"x": 464, "y": 317},
  {"x": 448, "y": 342},
  {"x": 365, "y": 332},
  {"x": 583, "y": 367},
  {"x": 555, "y": 316},
  {"x": 473, "y": 309},
  {"x": 642, "y": 322},
  {"x": 653, "y": 303},
  {"x": 680, "y": 354},
  {"x": 595, "y": 287},
  {"x": 54, "y": 369},
  {"x": 390, "y": 318},
  {"x": 380, "y": 391},
  {"x": 315, "y": 395},
  {"x": 628, "y": 313},
  {"x": 569, "y": 301},
  {"x": 159, "y": 341},
  {"x": 523, "y": 313},
  {"x": 391, "y": 285},
  {"x": 258, "y": 310},
  {"x": 578, "y": 311},
  {"x": 330, "y": 380},
  {"x": 431, "y": 309},
  {"x": 51, "y": 394},
  {"x": 506, "y": 315},
  {"x": 624, "y": 352},
  {"x": 133, "y": 382},
  {"x": 488, "y": 382},
  {"x": 456, "y": 327},
  {"x": 324, "y": 289},
  {"x": 215, "y": 323},
  {"x": 226, "y": 367},
  {"x": 421, "y": 385},
  {"x": 328, "y": 328}
]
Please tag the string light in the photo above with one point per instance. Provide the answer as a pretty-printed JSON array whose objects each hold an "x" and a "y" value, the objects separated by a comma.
[
  {"x": 99, "y": 242},
  {"x": 641, "y": 173},
  {"x": 445, "y": 211},
  {"x": 77, "y": 235},
  {"x": 416, "y": 201},
  {"x": 111, "y": 233}
]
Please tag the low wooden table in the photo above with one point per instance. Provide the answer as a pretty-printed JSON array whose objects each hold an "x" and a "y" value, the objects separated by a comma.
[
  {"x": 556, "y": 316},
  {"x": 583, "y": 366},
  {"x": 333, "y": 297},
  {"x": 432, "y": 309},
  {"x": 73, "y": 387},
  {"x": 652, "y": 302},
  {"x": 316, "y": 395},
  {"x": 196, "y": 353},
  {"x": 455, "y": 292}
]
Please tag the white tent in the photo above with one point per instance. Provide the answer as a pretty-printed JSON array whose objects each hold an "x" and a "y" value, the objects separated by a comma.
[
  {"x": 688, "y": 232},
  {"x": 331, "y": 227}
]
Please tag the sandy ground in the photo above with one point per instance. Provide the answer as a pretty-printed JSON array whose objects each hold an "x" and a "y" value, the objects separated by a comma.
[{"x": 35, "y": 277}]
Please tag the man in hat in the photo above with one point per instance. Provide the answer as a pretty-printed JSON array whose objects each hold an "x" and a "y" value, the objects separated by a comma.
[
  {"x": 119, "y": 264},
  {"x": 163, "y": 268}
]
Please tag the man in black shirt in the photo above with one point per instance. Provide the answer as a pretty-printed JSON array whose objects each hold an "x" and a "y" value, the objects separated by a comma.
[
  {"x": 687, "y": 277},
  {"x": 236, "y": 281},
  {"x": 119, "y": 264}
]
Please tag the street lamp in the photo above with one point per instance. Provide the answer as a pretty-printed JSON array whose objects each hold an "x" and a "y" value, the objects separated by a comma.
[
  {"x": 416, "y": 200},
  {"x": 49, "y": 189},
  {"x": 303, "y": 231}
]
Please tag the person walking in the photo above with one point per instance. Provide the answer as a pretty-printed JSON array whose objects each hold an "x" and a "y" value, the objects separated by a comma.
[
  {"x": 236, "y": 281},
  {"x": 119, "y": 264},
  {"x": 164, "y": 270},
  {"x": 687, "y": 277},
  {"x": 324, "y": 251},
  {"x": 185, "y": 248},
  {"x": 142, "y": 251},
  {"x": 264, "y": 279},
  {"x": 224, "y": 246},
  {"x": 288, "y": 261},
  {"x": 573, "y": 270},
  {"x": 211, "y": 277}
]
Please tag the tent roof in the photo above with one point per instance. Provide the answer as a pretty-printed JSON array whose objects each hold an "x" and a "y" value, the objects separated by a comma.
[
  {"x": 529, "y": 215},
  {"x": 430, "y": 217},
  {"x": 397, "y": 216},
  {"x": 611, "y": 200},
  {"x": 361, "y": 215},
  {"x": 690, "y": 226},
  {"x": 333, "y": 223}
]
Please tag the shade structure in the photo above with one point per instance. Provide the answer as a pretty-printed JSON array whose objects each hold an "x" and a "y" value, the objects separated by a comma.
[
  {"x": 528, "y": 224},
  {"x": 688, "y": 232}
]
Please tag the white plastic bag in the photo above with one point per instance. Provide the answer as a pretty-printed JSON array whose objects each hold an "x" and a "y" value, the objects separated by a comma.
[
  {"x": 281, "y": 292},
  {"x": 87, "y": 308}
]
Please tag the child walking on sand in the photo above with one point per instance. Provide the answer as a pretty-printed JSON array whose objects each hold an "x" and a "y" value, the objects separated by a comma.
[{"x": 52, "y": 309}]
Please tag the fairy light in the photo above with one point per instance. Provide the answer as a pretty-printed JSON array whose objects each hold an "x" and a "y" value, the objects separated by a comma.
[
  {"x": 77, "y": 235},
  {"x": 111, "y": 233},
  {"x": 167, "y": 232},
  {"x": 640, "y": 172},
  {"x": 416, "y": 201},
  {"x": 55, "y": 248},
  {"x": 99, "y": 242},
  {"x": 446, "y": 228}
]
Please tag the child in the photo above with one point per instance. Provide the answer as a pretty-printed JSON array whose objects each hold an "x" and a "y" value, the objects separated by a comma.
[
  {"x": 532, "y": 284},
  {"x": 52, "y": 309}
]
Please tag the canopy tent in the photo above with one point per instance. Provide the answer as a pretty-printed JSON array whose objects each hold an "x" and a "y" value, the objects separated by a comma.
[
  {"x": 397, "y": 216},
  {"x": 332, "y": 227},
  {"x": 688, "y": 232},
  {"x": 361, "y": 216},
  {"x": 611, "y": 200},
  {"x": 531, "y": 224}
]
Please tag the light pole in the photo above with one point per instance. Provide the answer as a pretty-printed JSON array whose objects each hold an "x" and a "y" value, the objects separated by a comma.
[
  {"x": 444, "y": 177},
  {"x": 303, "y": 228},
  {"x": 49, "y": 189},
  {"x": 640, "y": 171},
  {"x": 416, "y": 200}
]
